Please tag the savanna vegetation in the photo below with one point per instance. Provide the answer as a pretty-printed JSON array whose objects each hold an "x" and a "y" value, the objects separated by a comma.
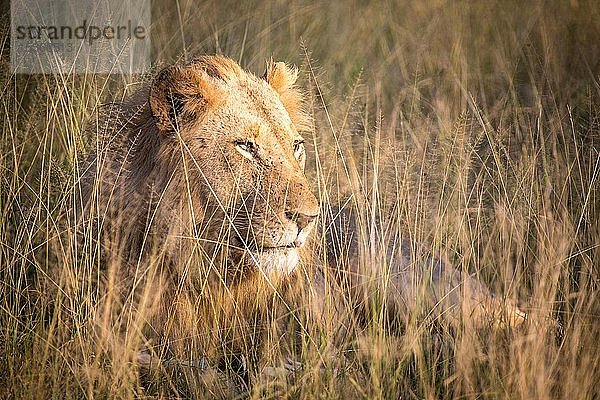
[{"x": 470, "y": 126}]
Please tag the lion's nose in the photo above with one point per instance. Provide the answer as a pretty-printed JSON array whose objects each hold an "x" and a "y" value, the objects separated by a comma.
[{"x": 301, "y": 219}]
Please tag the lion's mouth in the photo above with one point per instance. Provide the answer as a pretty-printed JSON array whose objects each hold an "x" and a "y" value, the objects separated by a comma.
[
  {"x": 271, "y": 259},
  {"x": 287, "y": 246},
  {"x": 255, "y": 248}
]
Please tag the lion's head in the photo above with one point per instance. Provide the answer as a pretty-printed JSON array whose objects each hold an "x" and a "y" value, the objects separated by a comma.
[{"x": 208, "y": 159}]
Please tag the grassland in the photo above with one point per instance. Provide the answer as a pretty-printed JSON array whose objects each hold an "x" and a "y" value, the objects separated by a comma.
[{"x": 475, "y": 126}]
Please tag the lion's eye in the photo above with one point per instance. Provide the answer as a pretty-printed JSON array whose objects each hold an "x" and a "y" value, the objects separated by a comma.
[
  {"x": 247, "y": 148},
  {"x": 298, "y": 148}
]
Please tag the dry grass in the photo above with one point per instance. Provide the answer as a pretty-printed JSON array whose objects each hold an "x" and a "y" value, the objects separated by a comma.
[{"x": 470, "y": 126}]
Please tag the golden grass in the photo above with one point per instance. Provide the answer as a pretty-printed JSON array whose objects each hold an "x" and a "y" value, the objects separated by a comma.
[{"x": 472, "y": 127}]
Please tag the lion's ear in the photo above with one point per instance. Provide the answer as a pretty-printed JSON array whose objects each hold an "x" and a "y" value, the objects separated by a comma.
[
  {"x": 181, "y": 94},
  {"x": 283, "y": 79}
]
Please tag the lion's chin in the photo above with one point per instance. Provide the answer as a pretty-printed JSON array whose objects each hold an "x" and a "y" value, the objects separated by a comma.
[{"x": 278, "y": 260}]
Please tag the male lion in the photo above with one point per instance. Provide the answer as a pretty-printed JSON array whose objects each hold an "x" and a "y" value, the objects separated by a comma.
[
  {"x": 213, "y": 153},
  {"x": 197, "y": 195}
]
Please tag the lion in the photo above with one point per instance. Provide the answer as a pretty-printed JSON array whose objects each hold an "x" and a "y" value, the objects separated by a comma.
[
  {"x": 199, "y": 177},
  {"x": 215, "y": 153},
  {"x": 197, "y": 180}
]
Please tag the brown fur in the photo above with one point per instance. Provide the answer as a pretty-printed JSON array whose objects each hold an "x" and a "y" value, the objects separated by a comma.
[
  {"x": 197, "y": 191},
  {"x": 197, "y": 187}
]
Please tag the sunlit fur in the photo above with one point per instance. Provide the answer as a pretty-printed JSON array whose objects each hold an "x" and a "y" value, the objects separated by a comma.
[{"x": 171, "y": 174}]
